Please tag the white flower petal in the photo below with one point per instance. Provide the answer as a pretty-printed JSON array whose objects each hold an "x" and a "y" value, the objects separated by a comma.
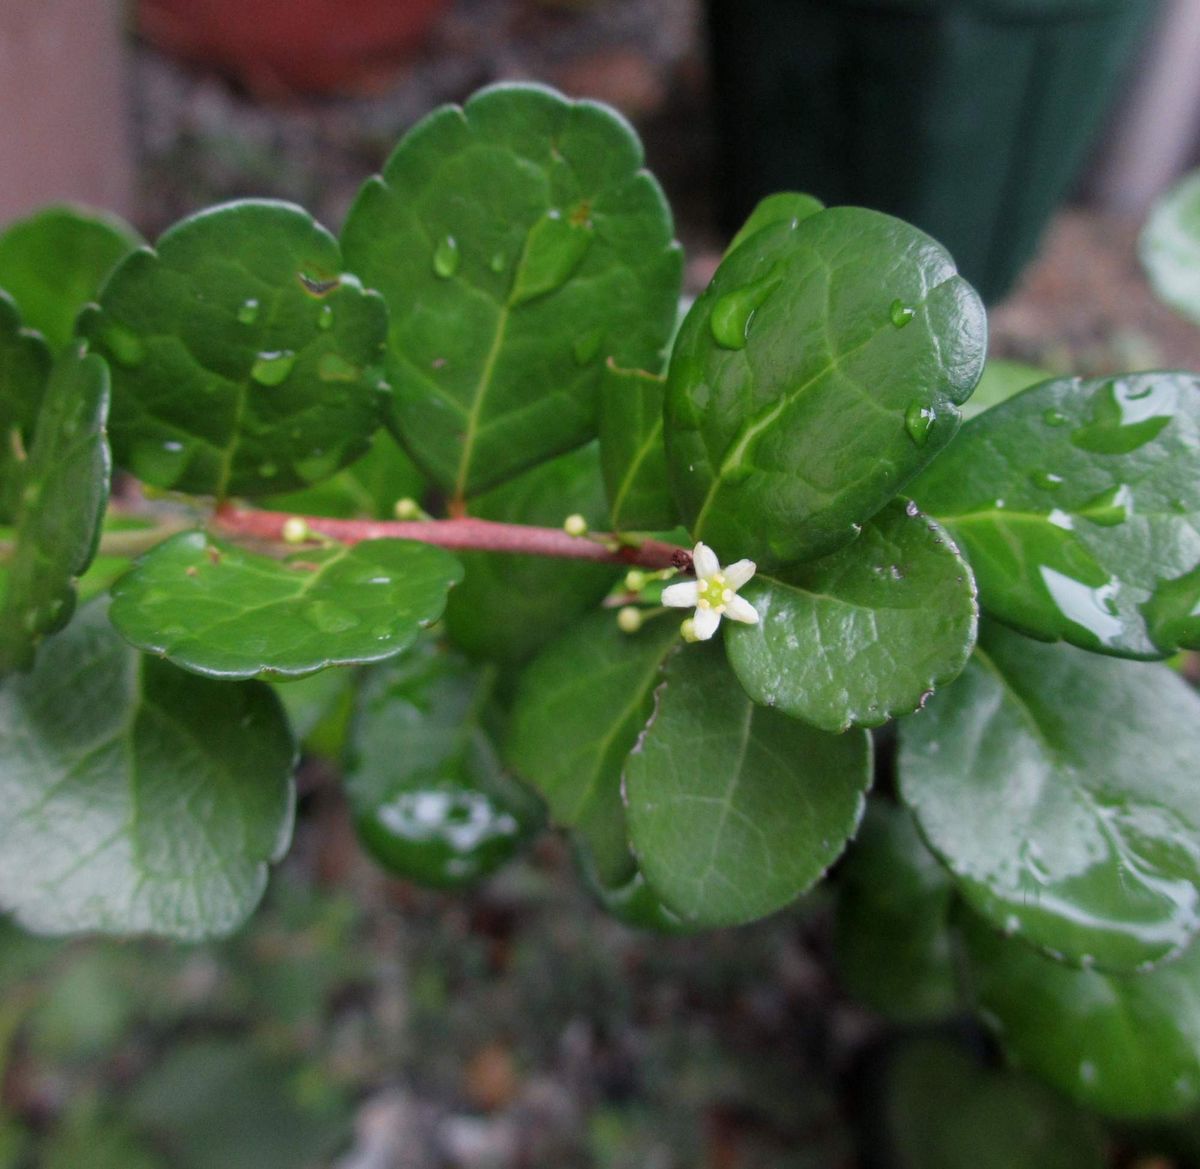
[
  {"x": 705, "y": 562},
  {"x": 739, "y": 609},
  {"x": 739, "y": 572},
  {"x": 683, "y": 595},
  {"x": 705, "y": 623}
]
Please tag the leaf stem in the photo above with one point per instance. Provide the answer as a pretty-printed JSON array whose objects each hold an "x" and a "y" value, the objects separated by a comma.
[{"x": 466, "y": 533}]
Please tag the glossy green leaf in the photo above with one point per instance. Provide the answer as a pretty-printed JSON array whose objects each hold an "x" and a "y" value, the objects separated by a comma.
[
  {"x": 367, "y": 489},
  {"x": 221, "y": 610},
  {"x": 894, "y": 946},
  {"x": 244, "y": 359},
  {"x": 818, "y": 372},
  {"x": 54, "y": 261},
  {"x": 862, "y": 634},
  {"x": 24, "y": 368},
  {"x": 946, "y": 1111},
  {"x": 1001, "y": 380},
  {"x": 632, "y": 452},
  {"x": 509, "y": 607},
  {"x": 734, "y": 811},
  {"x": 430, "y": 797},
  {"x": 138, "y": 798},
  {"x": 64, "y": 490},
  {"x": 781, "y": 207},
  {"x": 518, "y": 243},
  {"x": 1060, "y": 789},
  {"x": 1078, "y": 505},
  {"x": 1170, "y": 247},
  {"x": 1127, "y": 1046}
]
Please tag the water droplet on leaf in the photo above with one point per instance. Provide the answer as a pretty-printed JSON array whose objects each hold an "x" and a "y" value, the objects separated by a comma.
[
  {"x": 918, "y": 421},
  {"x": 498, "y": 263},
  {"x": 1054, "y": 417},
  {"x": 446, "y": 257},
  {"x": 733, "y": 313},
  {"x": 318, "y": 465},
  {"x": 901, "y": 314},
  {"x": 247, "y": 314},
  {"x": 1046, "y": 480},
  {"x": 271, "y": 367},
  {"x": 325, "y": 317}
]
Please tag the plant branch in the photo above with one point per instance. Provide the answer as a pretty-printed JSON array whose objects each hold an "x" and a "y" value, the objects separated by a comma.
[{"x": 465, "y": 533}]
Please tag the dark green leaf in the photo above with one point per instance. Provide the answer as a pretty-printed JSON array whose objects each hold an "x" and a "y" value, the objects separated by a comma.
[
  {"x": 1001, "y": 380},
  {"x": 242, "y": 355},
  {"x": 818, "y": 372},
  {"x": 619, "y": 885},
  {"x": 64, "y": 489},
  {"x": 734, "y": 810},
  {"x": 518, "y": 244},
  {"x": 863, "y": 634},
  {"x": 1124, "y": 1045},
  {"x": 894, "y": 946},
  {"x": 24, "y": 368},
  {"x": 1170, "y": 247},
  {"x": 1060, "y": 789},
  {"x": 508, "y": 607},
  {"x": 138, "y": 798},
  {"x": 1078, "y": 504},
  {"x": 632, "y": 452},
  {"x": 781, "y": 207},
  {"x": 430, "y": 797},
  {"x": 220, "y": 610},
  {"x": 54, "y": 261},
  {"x": 945, "y": 1111}
]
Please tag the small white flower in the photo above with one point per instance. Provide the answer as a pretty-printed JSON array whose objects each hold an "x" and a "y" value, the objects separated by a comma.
[{"x": 713, "y": 592}]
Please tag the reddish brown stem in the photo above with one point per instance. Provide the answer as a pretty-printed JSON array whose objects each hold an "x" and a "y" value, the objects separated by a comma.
[{"x": 466, "y": 533}]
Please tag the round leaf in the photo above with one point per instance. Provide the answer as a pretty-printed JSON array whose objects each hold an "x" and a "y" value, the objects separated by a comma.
[
  {"x": 1060, "y": 789},
  {"x": 863, "y": 634},
  {"x": 1170, "y": 247},
  {"x": 220, "y": 610},
  {"x": 64, "y": 490},
  {"x": 430, "y": 797},
  {"x": 1078, "y": 504},
  {"x": 242, "y": 355},
  {"x": 818, "y": 372},
  {"x": 24, "y": 368},
  {"x": 518, "y": 243},
  {"x": 138, "y": 798},
  {"x": 1127, "y": 1046},
  {"x": 734, "y": 810},
  {"x": 54, "y": 261}
]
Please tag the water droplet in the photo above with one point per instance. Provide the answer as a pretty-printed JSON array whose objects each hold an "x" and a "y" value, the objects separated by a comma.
[
  {"x": 158, "y": 463},
  {"x": 554, "y": 248},
  {"x": 1109, "y": 508},
  {"x": 325, "y": 317},
  {"x": 125, "y": 346},
  {"x": 320, "y": 464},
  {"x": 271, "y": 367},
  {"x": 1087, "y": 1071},
  {"x": 334, "y": 368},
  {"x": 901, "y": 313},
  {"x": 330, "y": 618},
  {"x": 895, "y": 572},
  {"x": 911, "y": 509},
  {"x": 918, "y": 421},
  {"x": 734, "y": 312},
  {"x": 1012, "y": 923},
  {"x": 498, "y": 262},
  {"x": 172, "y": 447},
  {"x": 1046, "y": 480},
  {"x": 587, "y": 345},
  {"x": 1054, "y": 417},
  {"x": 446, "y": 257},
  {"x": 247, "y": 314},
  {"x": 1127, "y": 415}
]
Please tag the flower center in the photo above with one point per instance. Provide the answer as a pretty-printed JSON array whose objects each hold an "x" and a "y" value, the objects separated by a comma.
[{"x": 714, "y": 593}]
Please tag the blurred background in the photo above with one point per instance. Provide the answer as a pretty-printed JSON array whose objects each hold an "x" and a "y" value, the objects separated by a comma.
[{"x": 360, "y": 1022}]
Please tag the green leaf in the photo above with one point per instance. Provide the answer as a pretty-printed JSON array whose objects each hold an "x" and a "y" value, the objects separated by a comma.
[
  {"x": 509, "y": 607},
  {"x": 1059, "y": 787},
  {"x": 64, "y": 490},
  {"x": 781, "y": 207},
  {"x": 734, "y": 810},
  {"x": 894, "y": 947},
  {"x": 518, "y": 243},
  {"x": 24, "y": 368},
  {"x": 817, "y": 373},
  {"x": 431, "y": 799},
  {"x": 242, "y": 355},
  {"x": 139, "y": 798},
  {"x": 217, "y": 609},
  {"x": 632, "y": 452},
  {"x": 1078, "y": 504},
  {"x": 1001, "y": 380},
  {"x": 318, "y": 708},
  {"x": 1127, "y": 1046},
  {"x": 863, "y": 634},
  {"x": 54, "y": 261},
  {"x": 1170, "y": 247},
  {"x": 945, "y": 1111}
]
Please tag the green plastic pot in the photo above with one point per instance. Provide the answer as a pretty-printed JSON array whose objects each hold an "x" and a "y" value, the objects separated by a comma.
[{"x": 969, "y": 118}]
